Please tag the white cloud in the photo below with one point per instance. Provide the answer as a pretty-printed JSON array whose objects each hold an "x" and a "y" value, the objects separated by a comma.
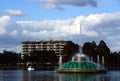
[
  {"x": 3, "y": 23},
  {"x": 14, "y": 33},
  {"x": 11, "y": 12},
  {"x": 2, "y": 31},
  {"x": 11, "y": 48},
  {"x": 56, "y": 27},
  {"x": 4, "y": 20},
  {"x": 52, "y": 4},
  {"x": 114, "y": 42},
  {"x": 8, "y": 25},
  {"x": 95, "y": 27}
]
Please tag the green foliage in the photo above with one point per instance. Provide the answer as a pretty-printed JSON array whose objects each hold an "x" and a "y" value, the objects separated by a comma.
[
  {"x": 41, "y": 57},
  {"x": 92, "y": 50},
  {"x": 69, "y": 50},
  {"x": 8, "y": 58},
  {"x": 115, "y": 59}
]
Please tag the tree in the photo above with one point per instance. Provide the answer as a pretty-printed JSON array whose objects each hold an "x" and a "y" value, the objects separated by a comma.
[
  {"x": 9, "y": 58},
  {"x": 69, "y": 50},
  {"x": 103, "y": 50},
  {"x": 115, "y": 59},
  {"x": 92, "y": 50},
  {"x": 89, "y": 48}
]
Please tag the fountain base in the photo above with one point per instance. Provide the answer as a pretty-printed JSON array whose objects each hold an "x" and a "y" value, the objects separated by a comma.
[{"x": 81, "y": 71}]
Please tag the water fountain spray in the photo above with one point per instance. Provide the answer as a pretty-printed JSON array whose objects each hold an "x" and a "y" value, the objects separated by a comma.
[
  {"x": 80, "y": 48},
  {"x": 60, "y": 60}
]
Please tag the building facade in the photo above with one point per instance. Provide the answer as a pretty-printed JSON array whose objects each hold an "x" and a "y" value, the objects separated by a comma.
[{"x": 49, "y": 45}]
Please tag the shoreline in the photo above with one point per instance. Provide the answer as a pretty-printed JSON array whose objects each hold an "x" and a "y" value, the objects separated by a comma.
[{"x": 40, "y": 68}]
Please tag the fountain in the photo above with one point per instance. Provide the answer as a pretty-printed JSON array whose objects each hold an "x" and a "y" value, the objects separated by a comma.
[
  {"x": 80, "y": 64},
  {"x": 103, "y": 61},
  {"x": 98, "y": 59},
  {"x": 60, "y": 60}
]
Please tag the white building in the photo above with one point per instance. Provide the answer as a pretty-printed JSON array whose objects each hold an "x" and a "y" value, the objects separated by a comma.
[{"x": 49, "y": 45}]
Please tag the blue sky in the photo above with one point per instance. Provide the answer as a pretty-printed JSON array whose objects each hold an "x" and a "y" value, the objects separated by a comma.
[{"x": 23, "y": 20}]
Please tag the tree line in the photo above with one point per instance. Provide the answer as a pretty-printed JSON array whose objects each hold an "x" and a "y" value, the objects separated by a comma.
[
  {"x": 44, "y": 59},
  {"x": 9, "y": 58},
  {"x": 111, "y": 59},
  {"x": 40, "y": 59},
  {"x": 37, "y": 58}
]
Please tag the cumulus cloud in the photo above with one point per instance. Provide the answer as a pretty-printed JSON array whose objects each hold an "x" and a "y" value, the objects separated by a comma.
[
  {"x": 52, "y": 4},
  {"x": 114, "y": 41},
  {"x": 11, "y": 12},
  {"x": 2, "y": 31},
  {"x": 14, "y": 33},
  {"x": 4, "y": 20},
  {"x": 9, "y": 32},
  {"x": 94, "y": 27},
  {"x": 12, "y": 48}
]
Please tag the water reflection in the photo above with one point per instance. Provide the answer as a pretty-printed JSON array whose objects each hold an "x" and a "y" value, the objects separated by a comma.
[
  {"x": 39, "y": 76},
  {"x": 81, "y": 77},
  {"x": 10, "y": 75},
  {"x": 53, "y": 76},
  {"x": 20, "y": 75},
  {"x": 110, "y": 76},
  {"x": 76, "y": 77}
]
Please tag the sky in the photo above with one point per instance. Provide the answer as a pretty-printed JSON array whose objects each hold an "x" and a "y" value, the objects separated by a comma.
[{"x": 30, "y": 20}]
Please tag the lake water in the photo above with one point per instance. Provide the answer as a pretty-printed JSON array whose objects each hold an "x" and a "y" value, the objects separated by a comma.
[{"x": 21, "y": 75}]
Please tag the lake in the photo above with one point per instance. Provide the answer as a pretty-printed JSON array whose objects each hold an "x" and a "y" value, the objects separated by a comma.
[{"x": 22, "y": 75}]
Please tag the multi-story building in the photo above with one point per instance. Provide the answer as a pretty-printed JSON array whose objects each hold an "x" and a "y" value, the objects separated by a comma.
[{"x": 49, "y": 45}]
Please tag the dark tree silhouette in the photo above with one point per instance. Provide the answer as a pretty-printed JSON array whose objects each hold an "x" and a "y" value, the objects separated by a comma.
[
  {"x": 69, "y": 50},
  {"x": 89, "y": 48},
  {"x": 92, "y": 50},
  {"x": 9, "y": 58},
  {"x": 103, "y": 50}
]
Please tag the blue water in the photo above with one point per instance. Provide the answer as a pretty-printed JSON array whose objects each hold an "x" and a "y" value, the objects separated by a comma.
[{"x": 21, "y": 75}]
